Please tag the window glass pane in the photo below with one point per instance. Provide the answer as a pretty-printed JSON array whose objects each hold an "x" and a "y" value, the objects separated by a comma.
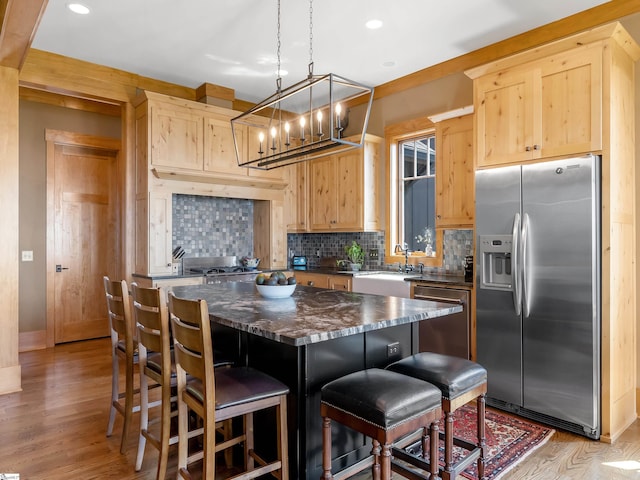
[
  {"x": 422, "y": 156},
  {"x": 432, "y": 155},
  {"x": 408, "y": 154},
  {"x": 419, "y": 213},
  {"x": 418, "y": 204}
]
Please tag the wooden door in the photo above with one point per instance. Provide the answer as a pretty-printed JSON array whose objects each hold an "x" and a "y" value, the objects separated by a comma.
[{"x": 83, "y": 219}]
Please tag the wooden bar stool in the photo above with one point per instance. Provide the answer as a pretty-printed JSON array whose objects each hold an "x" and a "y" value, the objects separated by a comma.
[
  {"x": 460, "y": 382},
  {"x": 124, "y": 348},
  {"x": 384, "y": 406},
  {"x": 216, "y": 395}
]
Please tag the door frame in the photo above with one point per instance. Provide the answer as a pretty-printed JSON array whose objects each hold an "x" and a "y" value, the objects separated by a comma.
[{"x": 60, "y": 137}]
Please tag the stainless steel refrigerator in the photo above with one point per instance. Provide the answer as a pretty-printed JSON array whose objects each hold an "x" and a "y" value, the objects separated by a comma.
[{"x": 538, "y": 290}]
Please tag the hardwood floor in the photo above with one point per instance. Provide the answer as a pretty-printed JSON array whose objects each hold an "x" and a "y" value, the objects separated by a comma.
[{"x": 55, "y": 429}]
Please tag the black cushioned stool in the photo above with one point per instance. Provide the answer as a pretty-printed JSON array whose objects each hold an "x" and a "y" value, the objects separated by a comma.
[
  {"x": 460, "y": 381},
  {"x": 384, "y": 406}
]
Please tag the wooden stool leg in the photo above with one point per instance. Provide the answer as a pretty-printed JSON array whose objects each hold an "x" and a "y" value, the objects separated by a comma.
[
  {"x": 385, "y": 462},
  {"x": 375, "y": 468},
  {"x": 480, "y": 405},
  {"x": 326, "y": 449},
  {"x": 448, "y": 444},
  {"x": 434, "y": 453}
]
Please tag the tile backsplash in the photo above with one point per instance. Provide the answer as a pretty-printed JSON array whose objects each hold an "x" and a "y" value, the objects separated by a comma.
[
  {"x": 457, "y": 244},
  {"x": 214, "y": 226}
]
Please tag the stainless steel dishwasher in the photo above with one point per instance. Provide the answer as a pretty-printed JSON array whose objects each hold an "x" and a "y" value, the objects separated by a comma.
[{"x": 449, "y": 334}]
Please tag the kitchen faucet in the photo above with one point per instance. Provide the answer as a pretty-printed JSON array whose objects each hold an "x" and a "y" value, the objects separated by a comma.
[{"x": 399, "y": 249}]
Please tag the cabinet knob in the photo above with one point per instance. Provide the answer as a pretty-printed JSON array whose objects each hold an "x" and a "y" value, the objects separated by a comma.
[
  {"x": 527, "y": 148},
  {"x": 310, "y": 283},
  {"x": 536, "y": 147}
]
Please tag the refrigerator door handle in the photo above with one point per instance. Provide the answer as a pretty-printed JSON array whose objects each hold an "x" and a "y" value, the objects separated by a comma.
[
  {"x": 525, "y": 266},
  {"x": 515, "y": 265}
]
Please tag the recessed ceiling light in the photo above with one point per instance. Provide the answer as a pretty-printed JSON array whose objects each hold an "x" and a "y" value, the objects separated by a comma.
[
  {"x": 78, "y": 8},
  {"x": 374, "y": 24},
  {"x": 389, "y": 63}
]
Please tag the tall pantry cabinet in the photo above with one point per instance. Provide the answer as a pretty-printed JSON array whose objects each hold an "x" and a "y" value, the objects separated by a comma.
[{"x": 572, "y": 97}]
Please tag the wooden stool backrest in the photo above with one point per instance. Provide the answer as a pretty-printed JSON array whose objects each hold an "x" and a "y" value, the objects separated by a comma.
[
  {"x": 152, "y": 323},
  {"x": 193, "y": 349},
  {"x": 119, "y": 310}
]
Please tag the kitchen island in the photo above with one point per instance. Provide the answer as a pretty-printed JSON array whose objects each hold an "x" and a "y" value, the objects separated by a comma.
[{"x": 307, "y": 340}]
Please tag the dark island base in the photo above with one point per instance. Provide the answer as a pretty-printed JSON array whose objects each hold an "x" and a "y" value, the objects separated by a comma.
[{"x": 305, "y": 369}]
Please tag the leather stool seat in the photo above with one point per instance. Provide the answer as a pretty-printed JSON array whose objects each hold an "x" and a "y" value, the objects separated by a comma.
[
  {"x": 384, "y": 406},
  {"x": 454, "y": 376},
  {"x": 460, "y": 382}
]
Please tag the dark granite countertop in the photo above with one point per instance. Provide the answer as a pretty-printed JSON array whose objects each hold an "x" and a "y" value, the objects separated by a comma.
[
  {"x": 310, "y": 315},
  {"x": 165, "y": 276}
]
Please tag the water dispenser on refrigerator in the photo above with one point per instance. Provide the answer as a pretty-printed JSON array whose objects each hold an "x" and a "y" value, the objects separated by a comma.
[{"x": 496, "y": 262}]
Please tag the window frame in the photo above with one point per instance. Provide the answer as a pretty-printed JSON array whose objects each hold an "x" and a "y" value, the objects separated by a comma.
[{"x": 394, "y": 134}]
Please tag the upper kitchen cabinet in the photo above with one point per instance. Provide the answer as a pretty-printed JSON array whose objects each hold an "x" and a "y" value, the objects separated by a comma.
[
  {"x": 343, "y": 190},
  {"x": 192, "y": 141},
  {"x": 176, "y": 137},
  {"x": 455, "y": 205},
  {"x": 295, "y": 197},
  {"x": 566, "y": 98},
  {"x": 547, "y": 107}
]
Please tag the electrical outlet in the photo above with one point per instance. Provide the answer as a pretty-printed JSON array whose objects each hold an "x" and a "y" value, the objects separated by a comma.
[
  {"x": 393, "y": 349},
  {"x": 27, "y": 255},
  {"x": 373, "y": 253}
]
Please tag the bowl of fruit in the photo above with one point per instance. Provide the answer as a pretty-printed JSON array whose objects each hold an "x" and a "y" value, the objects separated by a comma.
[{"x": 275, "y": 285}]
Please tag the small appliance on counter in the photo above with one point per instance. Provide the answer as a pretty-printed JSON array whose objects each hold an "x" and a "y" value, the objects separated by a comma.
[
  {"x": 299, "y": 262},
  {"x": 468, "y": 268}
]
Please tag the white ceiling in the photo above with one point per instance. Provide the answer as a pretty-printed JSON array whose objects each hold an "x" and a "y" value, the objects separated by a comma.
[{"x": 233, "y": 42}]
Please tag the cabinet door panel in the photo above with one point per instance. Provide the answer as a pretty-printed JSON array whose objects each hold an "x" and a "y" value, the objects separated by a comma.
[
  {"x": 505, "y": 118},
  {"x": 219, "y": 147},
  {"x": 160, "y": 228},
  {"x": 322, "y": 208},
  {"x": 349, "y": 185},
  {"x": 571, "y": 103},
  {"x": 176, "y": 138},
  {"x": 454, "y": 173}
]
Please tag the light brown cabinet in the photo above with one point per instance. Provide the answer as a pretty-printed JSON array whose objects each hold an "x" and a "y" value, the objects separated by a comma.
[
  {"x": 455, "y": 180},
  {"x": 572, "y": 96},
  {"x": 295, "y": 198},
  {"x": 187, "y": 147},
  {"x": 546, "y": 108},
  {"x": 323, "y": 280},
  {"x": 343, "y": 190}
]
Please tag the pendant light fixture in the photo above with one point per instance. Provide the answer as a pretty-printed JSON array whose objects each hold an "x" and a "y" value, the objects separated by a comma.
[{"x": 307, "y": 120}]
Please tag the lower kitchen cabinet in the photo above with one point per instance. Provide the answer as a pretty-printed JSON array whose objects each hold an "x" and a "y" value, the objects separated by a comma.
[{"x": 323, "y": 280}]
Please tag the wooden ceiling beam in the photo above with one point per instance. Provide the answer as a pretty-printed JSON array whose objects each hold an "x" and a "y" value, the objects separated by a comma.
[{"x": 19, "y": 20}]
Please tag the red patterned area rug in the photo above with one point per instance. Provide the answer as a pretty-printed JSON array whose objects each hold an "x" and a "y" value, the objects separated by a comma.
[{"x": 509, "y": 439}]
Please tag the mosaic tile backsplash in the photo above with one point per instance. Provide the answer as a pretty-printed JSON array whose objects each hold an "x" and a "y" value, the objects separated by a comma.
[
  {"x": 457, "y": 244},
  {"x": 213, "y": 226}
]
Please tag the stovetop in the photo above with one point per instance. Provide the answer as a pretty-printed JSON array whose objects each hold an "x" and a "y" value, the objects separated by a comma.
[
  {"x": 211, "y": 266},
  {"x": 219, "y": 270}
]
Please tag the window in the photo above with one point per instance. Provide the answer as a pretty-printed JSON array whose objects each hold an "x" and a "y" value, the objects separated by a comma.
[
  {"x": 417, "y": 190},
  {"x": 411, "y": 166}
]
